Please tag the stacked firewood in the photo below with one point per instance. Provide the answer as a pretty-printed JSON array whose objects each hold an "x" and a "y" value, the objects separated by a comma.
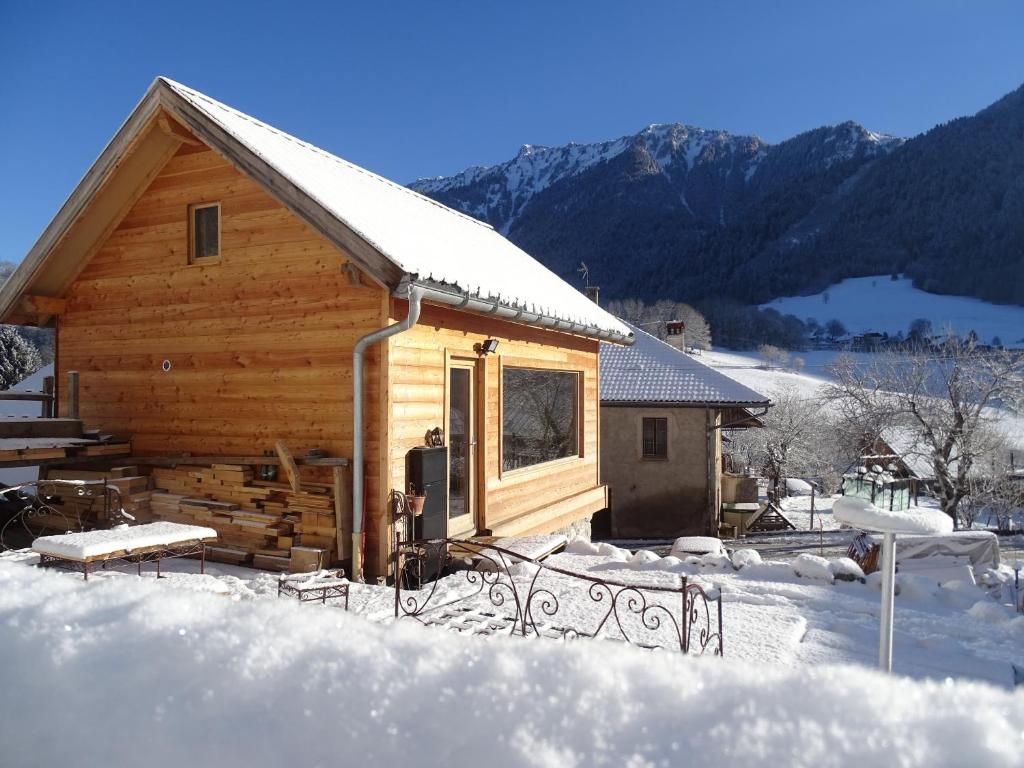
[{"x": 257, "y": 522}]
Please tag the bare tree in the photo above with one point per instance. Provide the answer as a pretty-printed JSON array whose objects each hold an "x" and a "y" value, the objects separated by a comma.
[
  {"x": 996, "y": 496},
  {"x": 653, "y": 317},
  {"x": 835, "y": 328},
  {"x": 798, "y": 438},
  {"x": 947, "y": 399},
  {"x": 773, "y": 356}
]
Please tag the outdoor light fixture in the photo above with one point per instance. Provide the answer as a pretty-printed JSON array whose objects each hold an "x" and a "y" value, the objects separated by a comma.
[{"x": 488, "y": 346}]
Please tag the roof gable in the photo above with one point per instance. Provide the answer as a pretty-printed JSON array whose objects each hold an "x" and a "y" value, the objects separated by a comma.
[
  {"x": 654, "y": 372},
  {"x": 396, "y": 235}
]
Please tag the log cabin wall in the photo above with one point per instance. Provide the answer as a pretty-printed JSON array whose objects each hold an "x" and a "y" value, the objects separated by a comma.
[
  {"x": 259, "y": 340},
  {"x": 556, "y": 493}
]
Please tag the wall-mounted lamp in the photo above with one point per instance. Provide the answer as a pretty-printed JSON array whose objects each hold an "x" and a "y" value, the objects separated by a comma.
[{"x": 487, "y": 346}]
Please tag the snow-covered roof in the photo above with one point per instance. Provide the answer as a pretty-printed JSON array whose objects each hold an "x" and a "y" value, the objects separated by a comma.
[
  {"x": 426, "y": 240},
  {"x": 652, "y": 371},
  {"x": 911, "y": 450},
  {"x": 396, "y": 236}
]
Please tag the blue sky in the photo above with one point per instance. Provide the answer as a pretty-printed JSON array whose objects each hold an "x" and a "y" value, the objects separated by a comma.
[{"x": 410, "y": 89}]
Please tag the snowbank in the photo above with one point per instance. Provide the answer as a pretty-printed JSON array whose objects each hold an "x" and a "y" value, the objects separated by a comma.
[{"x": 104, "y": 672}]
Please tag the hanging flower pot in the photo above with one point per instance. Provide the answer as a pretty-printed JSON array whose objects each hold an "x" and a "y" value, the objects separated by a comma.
[{"x": 416, "y": 504}]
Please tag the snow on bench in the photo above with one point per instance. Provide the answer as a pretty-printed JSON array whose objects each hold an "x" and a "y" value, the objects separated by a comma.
[{"x": 98, "y": 545}]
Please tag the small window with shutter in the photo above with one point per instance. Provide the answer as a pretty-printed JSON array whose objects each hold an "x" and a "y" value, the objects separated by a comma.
[
  {"x": 204, "y": 231},
  {"x": 655, "y": 438}
]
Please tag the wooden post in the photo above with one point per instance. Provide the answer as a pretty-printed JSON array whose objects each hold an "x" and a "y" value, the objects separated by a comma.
[
  {"x": 72, "y": 394},
  {"x": 47, "y": 409},
  {"x": 343, "y": 510},
  {"x": 813, "y": 489}
]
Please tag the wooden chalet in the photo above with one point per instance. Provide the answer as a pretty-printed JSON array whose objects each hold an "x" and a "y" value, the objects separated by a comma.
[{"x": 221, "y": 287}]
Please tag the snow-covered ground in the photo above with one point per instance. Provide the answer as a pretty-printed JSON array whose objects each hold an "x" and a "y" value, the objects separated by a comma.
[
  {"x": 884, "y": 305},
  {"x": 119, "y": 669},
  {"x": 748, "y": 369},
  {"x": 797, "y": 510}
]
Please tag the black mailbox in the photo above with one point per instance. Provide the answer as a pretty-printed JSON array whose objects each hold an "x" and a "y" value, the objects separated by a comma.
[{"x": 426, "y": 474}]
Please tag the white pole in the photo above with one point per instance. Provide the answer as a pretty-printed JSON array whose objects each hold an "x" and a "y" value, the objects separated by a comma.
[{"x": 888, "y": 597}]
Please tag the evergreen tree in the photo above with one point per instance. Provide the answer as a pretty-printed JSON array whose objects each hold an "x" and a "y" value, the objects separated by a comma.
[{"x": 17, "y": 358}]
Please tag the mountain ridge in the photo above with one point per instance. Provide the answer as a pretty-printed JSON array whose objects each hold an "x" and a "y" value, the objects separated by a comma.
[{"x": 689, "y": 213}]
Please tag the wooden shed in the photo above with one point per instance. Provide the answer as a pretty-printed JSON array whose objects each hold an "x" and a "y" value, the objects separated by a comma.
[{"x": 220, "y": 285}]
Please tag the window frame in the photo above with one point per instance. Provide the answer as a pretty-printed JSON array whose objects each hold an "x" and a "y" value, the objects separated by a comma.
[
  {"x": 192, "y": 210},
  {"x": 544, "y": 366},
  {"x": 656, "y": 456}
]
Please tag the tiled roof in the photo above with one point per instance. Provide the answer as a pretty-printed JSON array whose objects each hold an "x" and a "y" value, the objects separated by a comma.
[{"x": 651, "y": 371}]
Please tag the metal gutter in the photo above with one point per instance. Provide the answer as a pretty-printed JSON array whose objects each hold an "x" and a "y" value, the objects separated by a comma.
[
  {"x": 414, "y": 295},
  {"x": 679, "y": 404},
  {"x": 463, "y": 301}
]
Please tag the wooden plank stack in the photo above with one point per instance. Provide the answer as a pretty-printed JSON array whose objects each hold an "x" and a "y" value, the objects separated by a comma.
[{"x": 257, "y": 522}]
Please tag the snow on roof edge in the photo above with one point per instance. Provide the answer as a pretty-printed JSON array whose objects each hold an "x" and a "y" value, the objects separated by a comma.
[{"x": 593, "y": 317}]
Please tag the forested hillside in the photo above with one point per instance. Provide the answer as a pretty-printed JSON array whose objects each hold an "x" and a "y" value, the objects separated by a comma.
[{"x": 693, "y": 214}]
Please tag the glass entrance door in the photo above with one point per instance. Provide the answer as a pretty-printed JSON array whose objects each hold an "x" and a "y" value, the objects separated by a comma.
[{"x": 462, "y": 444}]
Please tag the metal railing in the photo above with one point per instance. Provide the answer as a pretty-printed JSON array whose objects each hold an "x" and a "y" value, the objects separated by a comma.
[{"x": 485, "y": 589}]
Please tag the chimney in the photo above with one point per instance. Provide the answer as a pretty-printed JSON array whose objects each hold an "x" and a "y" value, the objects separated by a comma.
[
  {"x": 674, "y": 334},
  {"x": 593, "y": 292}
]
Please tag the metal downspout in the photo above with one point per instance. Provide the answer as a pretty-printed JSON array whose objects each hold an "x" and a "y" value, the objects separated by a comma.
[{"x": 358, "y": 468}]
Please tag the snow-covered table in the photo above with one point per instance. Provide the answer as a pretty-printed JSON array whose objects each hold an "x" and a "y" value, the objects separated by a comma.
[
  {"x": 138, "y": 543},
  {"x": 318, "y": 585},
  {"x": 862, "y": 514}
]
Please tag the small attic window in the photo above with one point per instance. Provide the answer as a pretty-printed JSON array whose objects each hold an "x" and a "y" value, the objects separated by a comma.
[{"x": 204, "y": 231}]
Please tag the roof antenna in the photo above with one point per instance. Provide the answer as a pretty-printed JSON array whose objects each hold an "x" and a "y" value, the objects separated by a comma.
[{"x": 583, "y": 270}]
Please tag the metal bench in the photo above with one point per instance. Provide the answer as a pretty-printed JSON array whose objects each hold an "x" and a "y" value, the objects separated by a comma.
[{"x": 137, "y": 544}]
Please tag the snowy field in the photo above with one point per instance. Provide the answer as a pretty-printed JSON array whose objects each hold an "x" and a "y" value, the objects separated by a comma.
[
  {"x": 215, "y": 670},
  {"x": 889, "y": 306},
  {"x": 747, "y": 368}
]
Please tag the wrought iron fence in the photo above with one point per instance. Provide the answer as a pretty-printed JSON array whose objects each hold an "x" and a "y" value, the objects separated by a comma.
[
  {"x": 27, "y": 510},
  {"x": 493, "y": 590}
]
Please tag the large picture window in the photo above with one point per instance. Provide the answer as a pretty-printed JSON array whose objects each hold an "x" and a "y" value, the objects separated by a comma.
[{"x": 539, "y": 416}]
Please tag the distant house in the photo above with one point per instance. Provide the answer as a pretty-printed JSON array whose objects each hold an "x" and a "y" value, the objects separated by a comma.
[
  {"x": 212, "y": 279},
  {"x": 870, "y": 341},
  {"x": 662, "y": 417}
]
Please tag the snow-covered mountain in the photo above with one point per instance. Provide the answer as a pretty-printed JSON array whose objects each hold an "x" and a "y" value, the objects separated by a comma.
[
  {"x": 658, "y": 196},
  {"x": 689, "y": 158},
  {"x": 692, "y": 214}
]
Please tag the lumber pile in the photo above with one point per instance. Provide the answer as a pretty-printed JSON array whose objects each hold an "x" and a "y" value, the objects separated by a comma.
[
  {"x": 29, "y": 450},
  {"x": 70, "y": 507},
  {"x": 267, "y": 525}
]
